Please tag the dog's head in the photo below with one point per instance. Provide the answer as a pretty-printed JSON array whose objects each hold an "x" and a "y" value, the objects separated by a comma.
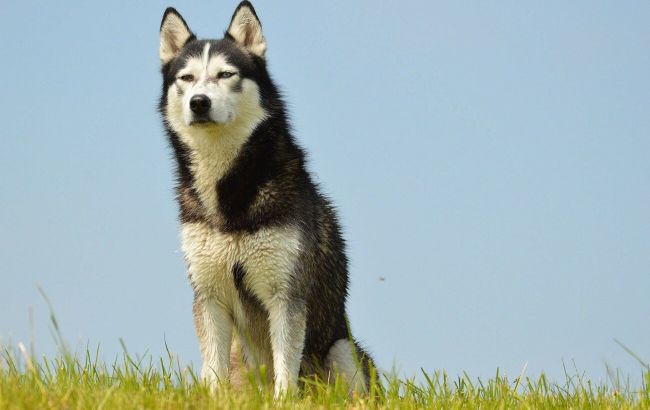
[{"x": 212, "y": 84}]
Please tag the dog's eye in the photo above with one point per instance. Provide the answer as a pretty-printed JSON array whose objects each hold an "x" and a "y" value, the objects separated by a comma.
[
  {"x": 225, "y": 74},
  {"x": 186, "y": 77}
]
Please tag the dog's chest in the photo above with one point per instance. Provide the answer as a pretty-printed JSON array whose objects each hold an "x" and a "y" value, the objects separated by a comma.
[
  {"x": 210, "y": 162},
  {"x": 267, "y": 257}
]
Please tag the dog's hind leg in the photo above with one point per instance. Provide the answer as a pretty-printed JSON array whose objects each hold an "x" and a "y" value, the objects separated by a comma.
[{"x": 347, "y": 360}]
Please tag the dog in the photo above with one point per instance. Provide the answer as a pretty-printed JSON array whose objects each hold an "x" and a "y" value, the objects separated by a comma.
[{"x": 263, "y": 246}]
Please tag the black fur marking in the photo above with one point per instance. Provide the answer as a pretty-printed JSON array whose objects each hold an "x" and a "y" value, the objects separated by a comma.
[
  {"x": 191, "y": 209},
  {"x": 250, "y": 302},
  {"x": 238, "y": 85},
  {"x": 238, "y": 275}
]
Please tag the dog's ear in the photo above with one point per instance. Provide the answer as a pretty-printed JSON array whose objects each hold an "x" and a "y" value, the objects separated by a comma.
[
  {"x": 246, "y": 30},
  {"x": 174, "y": 33}
]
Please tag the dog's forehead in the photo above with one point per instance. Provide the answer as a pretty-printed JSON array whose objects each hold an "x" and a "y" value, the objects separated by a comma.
[{"x": 218, "y": 50}]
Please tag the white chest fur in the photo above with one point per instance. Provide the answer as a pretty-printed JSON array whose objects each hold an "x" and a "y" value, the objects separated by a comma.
[{"x": 268, "y": 257}]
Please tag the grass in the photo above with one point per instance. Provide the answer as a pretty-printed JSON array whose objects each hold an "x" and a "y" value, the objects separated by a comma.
[{"x": 81, "y": 380}]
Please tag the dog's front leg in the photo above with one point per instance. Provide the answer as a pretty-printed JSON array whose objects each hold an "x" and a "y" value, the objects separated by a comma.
[
  {"x": 214, "y": 329},
  {"x": 287, "y": 320}
]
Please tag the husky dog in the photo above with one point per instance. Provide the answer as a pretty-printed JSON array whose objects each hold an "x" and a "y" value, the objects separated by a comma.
[{"x": 263, "y": 246}]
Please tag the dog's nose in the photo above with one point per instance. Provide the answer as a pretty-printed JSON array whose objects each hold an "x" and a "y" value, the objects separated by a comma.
[{"x": 200, "y": 104}]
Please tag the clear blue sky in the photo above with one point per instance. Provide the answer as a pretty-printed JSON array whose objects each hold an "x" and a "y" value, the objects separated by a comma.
[{"x": 490, "y": 161}]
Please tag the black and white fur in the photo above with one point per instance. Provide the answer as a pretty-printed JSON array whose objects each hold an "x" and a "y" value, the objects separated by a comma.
[{"x": 263, "y": 246}]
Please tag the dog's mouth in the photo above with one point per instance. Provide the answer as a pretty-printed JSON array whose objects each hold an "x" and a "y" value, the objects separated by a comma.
[{"x": 203, "y": 121}]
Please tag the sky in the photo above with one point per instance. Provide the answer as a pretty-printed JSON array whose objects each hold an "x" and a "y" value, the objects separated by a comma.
[{"x": 489, "y": 162}]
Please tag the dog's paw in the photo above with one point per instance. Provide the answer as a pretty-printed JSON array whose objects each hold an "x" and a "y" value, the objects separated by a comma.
[{"x": 209, "y": 377}]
